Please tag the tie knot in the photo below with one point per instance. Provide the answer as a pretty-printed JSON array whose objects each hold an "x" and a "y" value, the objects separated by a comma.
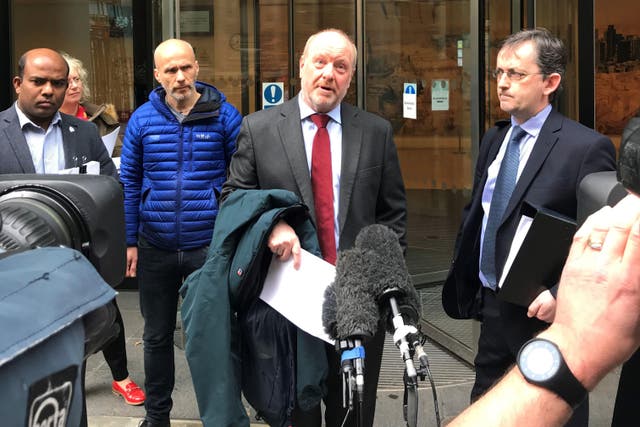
[
  {"x": 517, "y": 133},
  {"x": 320, "y": 120}
]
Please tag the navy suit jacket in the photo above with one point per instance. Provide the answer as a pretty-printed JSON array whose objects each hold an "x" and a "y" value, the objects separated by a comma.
[
  {"x": 271, "y": 155},
  {"x": 564, "y": 153},
  {"x": 81, "y": 140}
]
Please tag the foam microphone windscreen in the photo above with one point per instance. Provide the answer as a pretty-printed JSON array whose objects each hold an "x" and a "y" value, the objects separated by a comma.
[
  {"x": 628, "y": 171},
  {"x": 329, "y": 309},
  {"x": 388, "y": 270},
  {"x": 356, "y": 308}
]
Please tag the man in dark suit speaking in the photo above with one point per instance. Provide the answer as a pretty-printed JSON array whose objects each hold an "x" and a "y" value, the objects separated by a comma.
[
  {"x": 343, "y": 164},
  {"x": 538, "y": 157},
  {"x": 34, "y": 136}
]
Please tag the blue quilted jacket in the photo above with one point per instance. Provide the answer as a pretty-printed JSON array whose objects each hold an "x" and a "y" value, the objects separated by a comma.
[{"x": 172, "y": 172}]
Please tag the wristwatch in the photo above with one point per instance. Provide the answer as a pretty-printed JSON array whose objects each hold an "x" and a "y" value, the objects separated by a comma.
[{"x": 542, "y": 364}]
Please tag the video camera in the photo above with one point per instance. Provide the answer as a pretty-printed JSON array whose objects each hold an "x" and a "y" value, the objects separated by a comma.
[
  {"x": 608, "y": 188},
  {"x": 82, "y": 212},
  {"x": 62, "y": 249}
]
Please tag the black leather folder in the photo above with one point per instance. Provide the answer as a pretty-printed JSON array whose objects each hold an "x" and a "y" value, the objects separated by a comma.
[{"x": 539, "y": 261}]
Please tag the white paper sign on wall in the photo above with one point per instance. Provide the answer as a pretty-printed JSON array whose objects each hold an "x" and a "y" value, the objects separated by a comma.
[
  {"x": 409, "y": 101},
  {"x": 440, "y": 95}
]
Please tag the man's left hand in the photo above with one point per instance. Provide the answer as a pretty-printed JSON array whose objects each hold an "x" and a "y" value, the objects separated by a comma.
[{"x": 543, "y": 307}]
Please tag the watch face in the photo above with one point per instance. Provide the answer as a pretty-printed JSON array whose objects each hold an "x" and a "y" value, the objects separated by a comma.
[{"x": 539, "y": 360}]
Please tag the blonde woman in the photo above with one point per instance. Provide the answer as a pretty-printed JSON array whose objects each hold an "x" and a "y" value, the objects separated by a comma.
[{"x": 76, "y": 102}]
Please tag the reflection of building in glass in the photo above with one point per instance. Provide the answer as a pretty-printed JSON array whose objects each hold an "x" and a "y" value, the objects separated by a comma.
[
  {"x": 617, "y": 82},
  {"x": 616, "y": 52}
]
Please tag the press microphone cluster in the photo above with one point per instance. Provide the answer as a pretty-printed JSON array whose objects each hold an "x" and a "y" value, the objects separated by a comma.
[
  {"x": 350, "y": 316},
  {"x": 372, "y": 283},
  {"x": 391, "y": 287}
]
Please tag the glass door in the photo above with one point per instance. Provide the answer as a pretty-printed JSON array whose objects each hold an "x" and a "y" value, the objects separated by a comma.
[{"x": 427, "y": 44}]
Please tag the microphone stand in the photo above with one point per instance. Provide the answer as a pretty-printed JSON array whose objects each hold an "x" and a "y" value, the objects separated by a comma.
[
  {"x": 352, "y": 363},
  {"x": 408, "y": 340}
]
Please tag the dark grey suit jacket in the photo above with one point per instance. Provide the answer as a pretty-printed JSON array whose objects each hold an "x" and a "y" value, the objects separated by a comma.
[
  {"x": 81, "y": 141},
  {"x": 564, "y": 153},
  {"x": 270, "y": 154}
]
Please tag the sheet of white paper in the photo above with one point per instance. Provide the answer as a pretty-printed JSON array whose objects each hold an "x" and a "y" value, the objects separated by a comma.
[
  {"x": 70, "y": 171},
  {"x": 92, "y": 168},
  {"x": 298, "y": 294},
  {"x": 110, "y": 139},
  {"x": 516, "y": 243}
]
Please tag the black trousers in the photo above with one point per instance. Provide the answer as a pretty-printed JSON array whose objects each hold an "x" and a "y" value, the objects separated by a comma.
[
  {"x": 505, "y": 328},
  {"x": 334, "y": 412},
  {"x": 115, "y": 353}
]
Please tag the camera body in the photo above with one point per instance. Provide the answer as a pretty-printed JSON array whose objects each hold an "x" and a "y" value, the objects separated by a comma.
[
  {"x": 596, "y": 191},
  {"x": 82, "y": 212}
]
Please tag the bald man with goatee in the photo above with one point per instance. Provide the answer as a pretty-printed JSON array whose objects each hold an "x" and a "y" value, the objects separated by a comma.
[{"x": 175, "y": 155}]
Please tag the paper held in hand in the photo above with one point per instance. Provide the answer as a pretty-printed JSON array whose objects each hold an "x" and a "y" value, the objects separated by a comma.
[{"x": 298, "y": 294}]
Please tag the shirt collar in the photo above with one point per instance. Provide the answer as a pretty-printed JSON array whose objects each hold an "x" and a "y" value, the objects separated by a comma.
[
  {"x": 24, "y": 120},
  {"x": 306, "y": 111},
  {"x": 535, "y": 123}
]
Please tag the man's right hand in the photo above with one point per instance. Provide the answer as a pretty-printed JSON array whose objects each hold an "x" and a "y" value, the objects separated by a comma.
[
  {"x": 132, "y": 261},
  {"x": 284, "y": 243}
]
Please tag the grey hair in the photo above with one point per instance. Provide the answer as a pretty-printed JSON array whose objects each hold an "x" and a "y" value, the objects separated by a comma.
[{"x": 337, "y": 31}]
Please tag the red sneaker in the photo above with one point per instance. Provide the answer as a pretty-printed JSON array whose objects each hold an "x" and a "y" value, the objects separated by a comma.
[{"x": 132, "y": 394}]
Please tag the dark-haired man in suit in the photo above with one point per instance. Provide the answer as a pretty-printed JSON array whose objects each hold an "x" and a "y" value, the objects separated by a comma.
[
  {"x": 34, "y": 136},
  {"x": 546, "y": 160},
  {"x": 279, "y": 148}
]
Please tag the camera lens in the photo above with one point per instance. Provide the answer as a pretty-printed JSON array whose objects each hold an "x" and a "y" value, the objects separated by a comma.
[{"x": 37, "y": 217}]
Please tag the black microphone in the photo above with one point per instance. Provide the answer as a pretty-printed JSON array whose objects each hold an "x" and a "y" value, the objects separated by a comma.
[
  {"x": 350, "y": 316},
  {"x": 329, "y": 308},
  {"x": 392, "y": 288},
  {"x": 628, "y": 171},
  {"x": 388, "y": 274}
]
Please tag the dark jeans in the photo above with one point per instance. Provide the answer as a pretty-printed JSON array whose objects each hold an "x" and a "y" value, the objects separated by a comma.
[
  {"x": 115, "y": 352},
  {"x": 160, "y": 275}
]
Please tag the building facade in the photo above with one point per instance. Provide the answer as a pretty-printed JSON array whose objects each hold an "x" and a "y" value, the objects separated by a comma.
[{"x": 422, "y": 64}]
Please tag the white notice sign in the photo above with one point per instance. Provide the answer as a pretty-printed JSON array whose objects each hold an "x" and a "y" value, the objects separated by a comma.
[
  {"x": 409, "y": 101},
  {"x": 440, "y": 95}
]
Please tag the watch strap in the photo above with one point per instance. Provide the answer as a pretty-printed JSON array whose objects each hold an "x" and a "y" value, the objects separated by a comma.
[{"x": 563, "y": 383}]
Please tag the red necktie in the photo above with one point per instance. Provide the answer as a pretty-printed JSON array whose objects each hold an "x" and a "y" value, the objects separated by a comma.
[{"x": 322, "y": 184}]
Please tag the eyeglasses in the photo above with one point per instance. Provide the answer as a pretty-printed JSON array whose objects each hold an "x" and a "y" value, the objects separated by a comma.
[
  {"x": 75, "y": 80},
  {"x": 513, "y": 75}
]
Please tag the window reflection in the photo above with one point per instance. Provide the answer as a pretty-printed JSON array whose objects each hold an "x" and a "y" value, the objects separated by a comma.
[{"x": 617, "y": 58}]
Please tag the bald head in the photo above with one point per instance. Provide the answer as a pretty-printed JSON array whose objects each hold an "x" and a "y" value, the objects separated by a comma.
[
  {"x": 171, "y": 48},
  {"x": 177, "y": 71},
  {"x": 41, "y": 84},
  {"x": 38, "y": 54}
]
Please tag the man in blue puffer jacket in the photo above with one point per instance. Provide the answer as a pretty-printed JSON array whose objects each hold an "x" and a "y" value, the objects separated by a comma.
[{"x": 175, "y": 156}]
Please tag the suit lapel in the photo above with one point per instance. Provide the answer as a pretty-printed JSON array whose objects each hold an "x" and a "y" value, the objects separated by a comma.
[
  {"x": 17, "y": 141},
  {"x": 351, "y": 146},
  {"x": 69, "y": 143},
  {"x": 546, "y": 140},
  {"x": 290, "y": 129}
]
